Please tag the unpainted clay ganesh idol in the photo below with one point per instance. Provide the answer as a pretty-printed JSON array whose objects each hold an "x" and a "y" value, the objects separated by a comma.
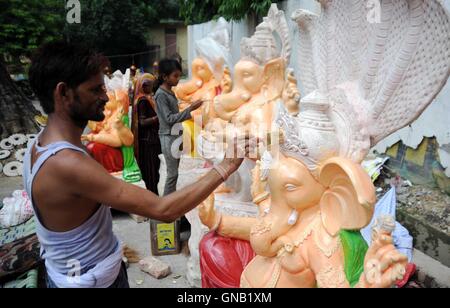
[
  {"x": 260, "y": 78},
  {"x": 210, "y": 77},
  {"x": 202, "y": 87}
]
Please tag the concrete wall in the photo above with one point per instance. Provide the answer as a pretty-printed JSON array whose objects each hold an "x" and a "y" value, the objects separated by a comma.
[
  {"x": 182, "y": 45},
  {"x": 157, "y": 36}
]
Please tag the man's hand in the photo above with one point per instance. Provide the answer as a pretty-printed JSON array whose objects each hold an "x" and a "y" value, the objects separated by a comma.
[{"x": 240, "y": 148}]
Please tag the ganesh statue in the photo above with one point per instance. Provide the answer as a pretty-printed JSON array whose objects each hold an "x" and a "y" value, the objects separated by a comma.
[
  {"x": 211, "y": 76},
  {"x": 111, "y": 141},
  {"x": 261, "y": 80},
  {"x": 362, "y": 82}
]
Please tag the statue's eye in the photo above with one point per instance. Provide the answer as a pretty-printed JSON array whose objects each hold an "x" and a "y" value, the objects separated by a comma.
[{"x": 291, "y": 187}]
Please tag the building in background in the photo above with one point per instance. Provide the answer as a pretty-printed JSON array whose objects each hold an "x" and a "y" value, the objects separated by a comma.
[{"x": 169, "y": 39}]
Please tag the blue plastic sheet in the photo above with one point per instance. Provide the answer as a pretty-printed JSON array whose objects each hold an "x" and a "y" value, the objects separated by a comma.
[{"x": 387, "y": 205}]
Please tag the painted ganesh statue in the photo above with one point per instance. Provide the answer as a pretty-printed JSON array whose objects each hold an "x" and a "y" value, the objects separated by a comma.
[
  {"x": 362, "y": 82},
  {"x": 111, "y": 141}
]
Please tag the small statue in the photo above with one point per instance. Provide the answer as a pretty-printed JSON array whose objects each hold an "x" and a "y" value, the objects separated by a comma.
[
  {"x": 111, "y": 131},
  {"x": 259, "y": 77},
  {"x": 111, "y": 141}
]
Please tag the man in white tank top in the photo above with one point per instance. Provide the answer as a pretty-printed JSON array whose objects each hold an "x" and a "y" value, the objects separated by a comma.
[{"x": 69, "y": 188}]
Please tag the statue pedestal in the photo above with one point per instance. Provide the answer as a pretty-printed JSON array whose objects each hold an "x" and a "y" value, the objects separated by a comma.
[{"x": 191, "y": 169}]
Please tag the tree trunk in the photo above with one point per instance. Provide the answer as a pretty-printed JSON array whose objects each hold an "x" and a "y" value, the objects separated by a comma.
[{"x": 16, "y": 110}]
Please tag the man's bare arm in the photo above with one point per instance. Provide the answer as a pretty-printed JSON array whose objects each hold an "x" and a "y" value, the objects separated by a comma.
[{"x": 89, "y": 179}]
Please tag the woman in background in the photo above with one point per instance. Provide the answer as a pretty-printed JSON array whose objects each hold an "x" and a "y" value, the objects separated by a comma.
[{"x": 145, "y": 130}]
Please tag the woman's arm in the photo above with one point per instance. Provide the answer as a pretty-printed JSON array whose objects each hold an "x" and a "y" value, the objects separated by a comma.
[{"x": 143, "y": 120}]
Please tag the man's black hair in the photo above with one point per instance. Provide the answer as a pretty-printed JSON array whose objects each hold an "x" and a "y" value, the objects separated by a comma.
[{"x": 60, "y": 61}]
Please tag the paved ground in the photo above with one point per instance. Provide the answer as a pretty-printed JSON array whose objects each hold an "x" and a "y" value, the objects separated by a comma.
[{"x": 137, "y": 237}]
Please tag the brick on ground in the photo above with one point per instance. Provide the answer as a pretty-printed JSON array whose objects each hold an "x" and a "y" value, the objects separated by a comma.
[{"x": 155, "y": 268}]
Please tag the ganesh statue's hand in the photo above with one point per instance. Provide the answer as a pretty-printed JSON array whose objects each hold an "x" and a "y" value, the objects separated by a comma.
[
  {"x": 208, "y": 215},
  {"x": 226, "y": 82},
  {"x": 95, "y": 127},
  {"x": 88, "y": 138},
  {"x": 291, "y": 95},
  {"x": 258, "y": 185},
  {"x": 384, "y": 264},
  {"x": 117, "y": 121}
]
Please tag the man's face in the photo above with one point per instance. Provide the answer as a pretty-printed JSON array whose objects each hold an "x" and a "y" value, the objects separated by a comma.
[{"x": 89, "y": 100}]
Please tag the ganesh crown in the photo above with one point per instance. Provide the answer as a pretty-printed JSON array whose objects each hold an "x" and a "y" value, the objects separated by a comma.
[{"x": 262, "y": 46}]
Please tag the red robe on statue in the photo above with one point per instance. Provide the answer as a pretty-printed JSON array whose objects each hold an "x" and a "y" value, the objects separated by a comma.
[
  {"x": 222, "y": 260},
  {"x": 108, "y": 157}
]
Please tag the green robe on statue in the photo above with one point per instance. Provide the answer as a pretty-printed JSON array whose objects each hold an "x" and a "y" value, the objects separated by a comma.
[{"x": 131, "y": 171}]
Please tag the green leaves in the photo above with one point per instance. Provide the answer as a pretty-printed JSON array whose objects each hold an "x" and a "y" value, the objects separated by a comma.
[
  {"x": 25, "y": 24},
  {"x": 112, "y": 27},
  {"x": 199, "y": 11},
  {"x": 115, "y": 27}
]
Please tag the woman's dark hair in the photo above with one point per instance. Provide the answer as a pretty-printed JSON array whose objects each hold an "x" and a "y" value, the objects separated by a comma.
[
  {"x": 167, "y": 67},
  {"x": 60, "y": 61}
]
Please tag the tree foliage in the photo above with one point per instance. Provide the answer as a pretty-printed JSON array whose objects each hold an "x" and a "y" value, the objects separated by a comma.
[
  {"x": 199, "y": 11},
  {"x": 108, "y": 25},
  {"x": 116, "y": 27},
  {"x": 113, "y": 26},
  {"x": 26, "y": 24}
]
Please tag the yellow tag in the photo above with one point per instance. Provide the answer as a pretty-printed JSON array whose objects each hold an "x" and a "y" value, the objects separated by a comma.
[{"x": 166, "y": 237}]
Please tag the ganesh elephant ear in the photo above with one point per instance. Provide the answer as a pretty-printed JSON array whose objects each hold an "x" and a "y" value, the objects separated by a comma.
[
  {"x": 274, "y": 78},
  {"x": 348, "y": 202}
]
